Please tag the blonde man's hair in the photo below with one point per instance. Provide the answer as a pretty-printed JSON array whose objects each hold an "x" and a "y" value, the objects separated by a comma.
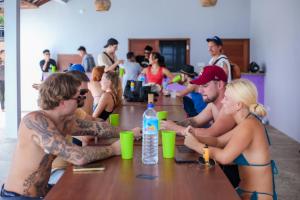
[
  {"x": 244, "y": 91},
  {"x": 57, "y": 87}
]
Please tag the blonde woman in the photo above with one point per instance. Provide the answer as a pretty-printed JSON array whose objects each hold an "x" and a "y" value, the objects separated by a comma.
[
  {"x": 111, "y": 96},
  {"x": 247, "y": 144}
]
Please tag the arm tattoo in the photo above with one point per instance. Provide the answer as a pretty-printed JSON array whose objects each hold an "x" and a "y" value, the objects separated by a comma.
[
  {"x": 36, "y": 184},
  {"x": 187, "y": 122},
  {"x": 95, "y": 128},
  {"x": 54, "y": 142},
  {"x": 95, "y": 153}
]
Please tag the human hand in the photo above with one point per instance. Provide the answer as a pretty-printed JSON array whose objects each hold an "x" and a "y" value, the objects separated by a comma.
[
  {"x": 167, "y": 125},
  {"x": 36, "y": 86},
  {"x": 137, "y": 132},
  {"x": 116, "y": 148},
  {"x": 190, "y": 141}
]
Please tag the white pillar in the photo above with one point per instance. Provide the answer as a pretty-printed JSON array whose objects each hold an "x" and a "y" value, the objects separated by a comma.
[{"x": 12, "y": 67}]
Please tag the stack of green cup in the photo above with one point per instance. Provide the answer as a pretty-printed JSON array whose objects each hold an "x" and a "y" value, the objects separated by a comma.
[
  {"x": 114, "y": 119},
  {"x": 121, "y": 72},
  {"x": 161, "y": 115},
  {"x": 168, "y": 143},
  {"x": 126, "y": 140},
  {"x": 176, "y": 79}
]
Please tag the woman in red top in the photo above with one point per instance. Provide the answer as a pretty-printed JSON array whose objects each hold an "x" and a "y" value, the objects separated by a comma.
[{"x": 155, "y": 72}]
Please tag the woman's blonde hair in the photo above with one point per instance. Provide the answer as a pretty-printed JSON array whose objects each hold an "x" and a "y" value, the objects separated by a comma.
[
  {"x": 116, "y": 85},
  {"x": 97, "y": 73},
  {"x": 244, "y": 91}
]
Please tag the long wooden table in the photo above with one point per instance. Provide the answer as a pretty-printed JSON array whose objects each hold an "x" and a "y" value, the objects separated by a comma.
[{"x": 121, "y": 178}]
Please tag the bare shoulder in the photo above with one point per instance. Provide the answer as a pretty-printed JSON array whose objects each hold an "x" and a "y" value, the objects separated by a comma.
[{"x": 36, "y": 116}]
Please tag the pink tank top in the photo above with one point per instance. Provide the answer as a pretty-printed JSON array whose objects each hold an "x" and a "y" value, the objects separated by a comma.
[{"x": 155, "y": 78}]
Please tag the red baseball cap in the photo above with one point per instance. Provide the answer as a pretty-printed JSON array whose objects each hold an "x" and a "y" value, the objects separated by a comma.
[{"x": 210, "y": 73}]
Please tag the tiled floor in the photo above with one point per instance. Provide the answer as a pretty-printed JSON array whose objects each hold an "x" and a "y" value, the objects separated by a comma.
[{"x": 285, "y": 151}]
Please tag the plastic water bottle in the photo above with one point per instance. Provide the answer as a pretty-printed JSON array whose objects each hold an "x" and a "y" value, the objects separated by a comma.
[
  {"x": 142, "y": 78},
  {"x": 132, "y": 86},
  {"x": 165, "y": 84},
  {"x": 150, "y": 136}
]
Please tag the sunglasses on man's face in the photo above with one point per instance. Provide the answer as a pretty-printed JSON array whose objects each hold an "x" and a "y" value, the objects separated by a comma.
[{"x": 79, "y": 99}]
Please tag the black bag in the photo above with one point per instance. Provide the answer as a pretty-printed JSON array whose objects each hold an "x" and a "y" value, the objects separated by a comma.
[{"x": 139, "y": 94}]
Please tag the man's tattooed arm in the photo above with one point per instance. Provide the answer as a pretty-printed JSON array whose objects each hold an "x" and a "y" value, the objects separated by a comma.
[
  {"x": 187, "y": 122},
  {"x": 53, "y": 142},
  {"x": 94, "y": 128}
]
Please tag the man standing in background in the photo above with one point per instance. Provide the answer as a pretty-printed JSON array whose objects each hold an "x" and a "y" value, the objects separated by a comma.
[
  {"x": 88, "y": 61},
  {"x": 47, "y": 61},
  {"x": 215, "y": 48}
]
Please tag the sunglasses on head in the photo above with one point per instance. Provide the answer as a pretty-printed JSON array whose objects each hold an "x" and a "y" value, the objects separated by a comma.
[{"x": 202, "y": 162}]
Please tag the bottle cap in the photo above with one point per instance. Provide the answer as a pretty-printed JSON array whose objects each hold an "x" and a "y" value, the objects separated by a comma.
[{"x": 150, "y": 105}]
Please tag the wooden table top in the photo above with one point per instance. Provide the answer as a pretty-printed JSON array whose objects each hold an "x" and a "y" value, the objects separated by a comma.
[{"x": 121, "y": 180}]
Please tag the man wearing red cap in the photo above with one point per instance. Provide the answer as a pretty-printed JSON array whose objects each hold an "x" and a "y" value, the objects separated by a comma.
[{"x": 212, "y": 82}]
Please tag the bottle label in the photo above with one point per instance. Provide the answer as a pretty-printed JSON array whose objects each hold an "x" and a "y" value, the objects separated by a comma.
[{"x": 151, "y": 126}]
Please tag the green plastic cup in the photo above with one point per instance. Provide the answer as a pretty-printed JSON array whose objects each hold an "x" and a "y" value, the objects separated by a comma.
[
  {"x": 161, "y": 115},
  {"x": 114, "y": 119},
  {"x": 53, "y": 68},
  {"x": 121, "y": 72},
  {"x": 176, "y": 79},
  {"x": 168, "y": 143},
  {"x": 126, "y": 139}
]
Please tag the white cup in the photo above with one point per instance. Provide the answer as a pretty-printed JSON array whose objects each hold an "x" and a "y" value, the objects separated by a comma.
[{"x": 173, "y": 94}]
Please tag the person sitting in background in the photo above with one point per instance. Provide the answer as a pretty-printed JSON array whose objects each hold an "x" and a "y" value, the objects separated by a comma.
[
  {"x": 144, "y": 60},
  {"x": 41, "y": 138},
  {"x": 111, "y": 97},
  {"x": 94, "y": 85},
  {"x": 246, "y": 145},
  {"x": 155, "y": 72},
  {"x": 215, "y": 48},
  {"x": 132, "y": 69},
  {"x": 47, "y": 61},
  {"x": 108, "y": 57},
  {"x": 88, "y": 61},
  {"x": 193, "y": 102}
]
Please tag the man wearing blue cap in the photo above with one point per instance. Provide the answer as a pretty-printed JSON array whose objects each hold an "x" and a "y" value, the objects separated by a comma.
[{"x": 215, "y": 46}]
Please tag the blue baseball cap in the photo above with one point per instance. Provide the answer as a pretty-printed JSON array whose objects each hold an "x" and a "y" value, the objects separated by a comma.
[
  {"x": 216, "y": 40},
  {"x": 76, "y": 67}
]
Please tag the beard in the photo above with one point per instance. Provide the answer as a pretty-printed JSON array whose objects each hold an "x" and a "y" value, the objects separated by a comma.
[{"x": 207, "y": 99}]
